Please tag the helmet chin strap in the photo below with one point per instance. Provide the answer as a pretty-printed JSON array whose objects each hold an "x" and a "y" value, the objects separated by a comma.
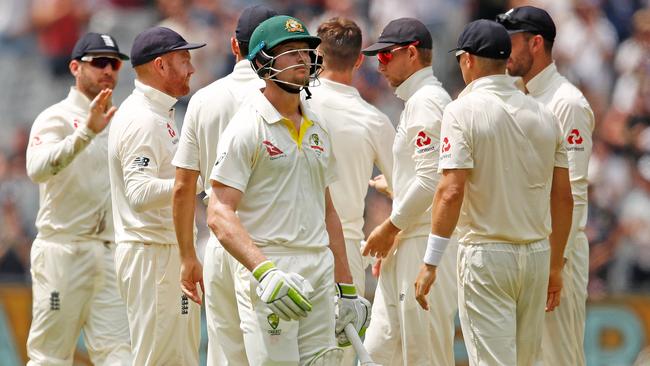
[{"x": 291, "y": 89}]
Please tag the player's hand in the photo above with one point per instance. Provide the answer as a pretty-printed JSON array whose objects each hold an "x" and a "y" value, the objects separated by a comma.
[
  {"x": 381, "y": 240},
  {"x": 554, "y": 289},
  {"x": 381, "y": 185},
  {"x": 351, "y": 309},
  {"x": 376, "y": 268},
  {"x": 285, "y": 293},
  {"x": 101, "y": 111},
  {"x": 191, "y": 274},
  {"x": 423, "y": 283}
]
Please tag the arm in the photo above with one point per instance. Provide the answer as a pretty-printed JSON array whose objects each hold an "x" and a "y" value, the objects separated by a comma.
[
  {"x": 183, "y": 206},
  {"x": 447, "y": 203},
  {"x": 561, "y": 212},
  {"x": 337, "y": 242},
  {"x": 225, "y": 224},
  {"x": 383, "y": 139},
  {"x": 50, "y": 151}
]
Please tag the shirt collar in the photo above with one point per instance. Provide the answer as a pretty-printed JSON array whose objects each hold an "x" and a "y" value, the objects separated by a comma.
[
  {"x": 339, "y": 87},
  {"x": 268, "y": 111},
  {"x": 414, "y": 82},
  {"x": 542, "y": 80},
  {"x": 157, "y": 98},
  {"x": 494, "y": 83},
  {"x": 78, "y": 99},
  {"x": 244, "y": 71}
]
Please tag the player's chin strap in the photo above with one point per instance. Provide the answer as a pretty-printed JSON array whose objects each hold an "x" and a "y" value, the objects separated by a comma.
[{"x": 267, "y": 71}]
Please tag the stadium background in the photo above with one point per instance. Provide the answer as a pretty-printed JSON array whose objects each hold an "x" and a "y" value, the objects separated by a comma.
[{"x": 603, "y": 46}]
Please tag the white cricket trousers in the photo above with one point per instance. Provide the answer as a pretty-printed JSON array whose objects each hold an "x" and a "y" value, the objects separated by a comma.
[
  {"x": 272, "y": 341},
  {"x": 400, "y": 331},
  {"x": 564, "y": 328},
  {"x": 358, "y": 269},
  {"x": 225, "y": 339},
  {"x": 74, "y": 289},
  {"x": 164, "y": 323},
  {"x": 501, "y": 299}
]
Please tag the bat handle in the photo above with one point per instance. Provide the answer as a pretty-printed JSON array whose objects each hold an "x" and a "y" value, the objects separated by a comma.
[{"x": 353, "y": 337}]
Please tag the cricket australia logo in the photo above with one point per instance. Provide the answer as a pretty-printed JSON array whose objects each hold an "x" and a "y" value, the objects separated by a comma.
[
  {"x": 315, "y": 142},
  {"x": 293, "y": 26},
  {"x": 274, "y": 321}
]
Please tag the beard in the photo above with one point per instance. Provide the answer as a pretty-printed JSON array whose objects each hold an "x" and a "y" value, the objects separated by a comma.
[{"x": 520, "y": 66}]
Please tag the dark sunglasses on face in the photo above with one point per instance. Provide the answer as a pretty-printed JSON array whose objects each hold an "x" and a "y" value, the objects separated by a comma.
[
  {"x": 101, "y": 62},
  {"x": 384, "y": 57}
]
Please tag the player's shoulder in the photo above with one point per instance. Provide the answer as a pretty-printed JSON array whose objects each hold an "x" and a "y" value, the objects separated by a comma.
[
  {"x": 568, "y": 95},
  {"x": 56, "y": 111},
  {"x": 430, "y": 96}
]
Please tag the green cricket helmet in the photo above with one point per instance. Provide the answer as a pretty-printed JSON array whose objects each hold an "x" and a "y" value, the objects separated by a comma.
[{"x": 274, "y": 32}]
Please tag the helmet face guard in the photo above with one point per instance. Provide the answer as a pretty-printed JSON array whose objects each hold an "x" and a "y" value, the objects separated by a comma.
[{"x": 267, "y": 70}]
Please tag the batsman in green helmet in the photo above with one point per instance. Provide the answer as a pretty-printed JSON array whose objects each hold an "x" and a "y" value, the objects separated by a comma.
[{"x": 271, "y": 209}]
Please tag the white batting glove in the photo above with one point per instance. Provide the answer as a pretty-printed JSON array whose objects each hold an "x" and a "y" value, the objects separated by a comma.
[
  {"x": 352, "y": 309},
  {"x": 285, "y": 293}
]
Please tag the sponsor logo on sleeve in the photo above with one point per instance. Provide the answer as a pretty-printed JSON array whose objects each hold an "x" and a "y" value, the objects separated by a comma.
[
  {"x": 574, "y": 141},
  {"x": 424, "y": 143},
  {"x": 36, "y": 141},
  {"x": 220, "y": 158},
  {"x": 444, "y": 148},
  {"x": 274, "y": 152},
  {"x": 141, "y": 162},
  {"x": 172, "y": 133}
]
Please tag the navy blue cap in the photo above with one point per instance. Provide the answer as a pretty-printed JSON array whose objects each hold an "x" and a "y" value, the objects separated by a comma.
[
  {"x": 157, "y": 41},
  {"x": 528, "y": 19},
  {"x": 249, "y": 19},
  {"x": 485, "y": 38},
  {"x": 96, "y": 43},
  {"x": 399, "y": 32}
]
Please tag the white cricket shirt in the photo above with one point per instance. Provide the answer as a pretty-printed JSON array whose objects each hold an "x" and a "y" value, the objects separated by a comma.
[
  {"x": 361, "y": 137},
  {"x": 577, "y": 122},
  {"x": 511, "y": 143},
  {"x": 208, "y": 114},
  {"x": 283, "y": 174},
  {"x": 74, "y": 204},
  {"x": 141, "y": 144},
  {"x": 415, "y": 152}
]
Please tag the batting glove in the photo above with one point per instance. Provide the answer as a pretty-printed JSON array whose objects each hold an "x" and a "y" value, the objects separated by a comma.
[
  {"x": 285, "y": 293},
  {"x": 352, "y": 309}
]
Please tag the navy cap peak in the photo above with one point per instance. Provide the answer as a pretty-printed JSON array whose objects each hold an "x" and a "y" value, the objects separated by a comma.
[
  {"x": 401, "y": 31},
  {"x": 157, "y": 41},
  {"x": 485, "y": 38}
]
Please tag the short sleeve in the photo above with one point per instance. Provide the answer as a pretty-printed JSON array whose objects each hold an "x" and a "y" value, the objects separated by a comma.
[
  {"x": 236, "y": 151},
  {"x": 188, "y": 153},
  {"x": 455, "y": 144}
]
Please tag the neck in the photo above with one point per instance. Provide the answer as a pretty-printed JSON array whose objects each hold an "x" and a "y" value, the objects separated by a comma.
[
  {"x": 482, "y": 74},
  {"x": 539, "y": 64},
  {"x": 341, "y": 77},
  {"x": 286, "y": 103},
  {"x": 87, "y": 93}
]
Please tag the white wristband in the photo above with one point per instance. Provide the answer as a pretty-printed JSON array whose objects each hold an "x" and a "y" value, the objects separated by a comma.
[{"x": 436, "y": 246}]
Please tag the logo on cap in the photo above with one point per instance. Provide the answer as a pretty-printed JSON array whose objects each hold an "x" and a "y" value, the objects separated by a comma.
[
  {"x": 293, "y": 26},
  {"x": 107, "y": 40}
]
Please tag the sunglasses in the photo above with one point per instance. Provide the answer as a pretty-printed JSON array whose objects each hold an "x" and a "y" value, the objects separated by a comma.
[
  {"x": 384, "y": 57},
  {"x": 101, "y": 62}
]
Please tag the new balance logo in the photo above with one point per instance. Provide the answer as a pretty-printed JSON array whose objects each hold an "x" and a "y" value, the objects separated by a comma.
[
  {"x": 108, "y": 41},
  {"x": 55, "y": 301},
  {"x": 185, "y": 305},
  {"x": 141, "y": 161}
]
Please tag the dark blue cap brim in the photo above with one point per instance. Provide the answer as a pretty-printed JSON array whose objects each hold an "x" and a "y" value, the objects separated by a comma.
[{"x": 189, "y": 46}]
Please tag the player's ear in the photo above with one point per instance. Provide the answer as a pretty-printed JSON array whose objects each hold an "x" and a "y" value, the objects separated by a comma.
[
  {"x": 234, "y": 47},
  {"x": 359, "y": 61},
  {"x": 74, "y": 67}
]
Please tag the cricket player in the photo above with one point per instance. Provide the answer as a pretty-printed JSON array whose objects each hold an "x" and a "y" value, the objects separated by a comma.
[
  {"x": 401, "y": 333},
  {"x": 361, "y": 137},
  {"x": 271, "y": 209},
  {"x": 73, "y": 272},
  {"x": 502, "y": 160},
  {"x": 142, "y": 141},
  {"x": 208, "y": 114},
  {"x": 532, "y": 32}
]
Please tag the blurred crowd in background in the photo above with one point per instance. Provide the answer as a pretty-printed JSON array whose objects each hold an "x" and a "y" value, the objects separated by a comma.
[{"x": 603, "y": 46}]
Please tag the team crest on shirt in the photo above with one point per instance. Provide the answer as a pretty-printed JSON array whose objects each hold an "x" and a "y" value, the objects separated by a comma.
[
  {"x": 316, "y": 143},
  {"x": 274, "y": 321},
  {"x": 424, "y": 143},
  {"x": 574, "y": 140},
  {"x": 274, "y": 151}
]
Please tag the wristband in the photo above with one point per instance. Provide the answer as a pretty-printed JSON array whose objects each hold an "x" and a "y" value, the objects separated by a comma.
[
  {"x": 436, "y": 246},
  {"x": 346, "y": 290},
  {"x": 262, "y": 269}
]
